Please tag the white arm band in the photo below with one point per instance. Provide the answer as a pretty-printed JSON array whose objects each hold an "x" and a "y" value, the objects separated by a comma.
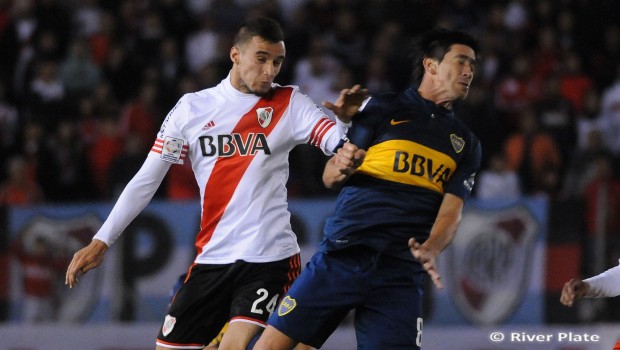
[
  {"x": 606, "y": 284},
  {"x": 133, "y": 199}
]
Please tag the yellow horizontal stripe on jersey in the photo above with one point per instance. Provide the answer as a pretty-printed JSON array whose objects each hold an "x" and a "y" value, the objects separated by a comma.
[{"x": 408, "y": 163}]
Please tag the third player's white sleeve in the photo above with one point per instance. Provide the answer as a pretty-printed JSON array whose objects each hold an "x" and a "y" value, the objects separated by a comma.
[
  {"x": 607, "y": 284},
  {"x": 133, "y": 199}
]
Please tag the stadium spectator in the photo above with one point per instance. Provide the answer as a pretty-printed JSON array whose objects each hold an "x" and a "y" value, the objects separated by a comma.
[
  {"x": 19, "y": 188},
  {"x": 498, "y": 181},
  {"x": 532, "y": 153},
  {"x": 610, "y": 113}
]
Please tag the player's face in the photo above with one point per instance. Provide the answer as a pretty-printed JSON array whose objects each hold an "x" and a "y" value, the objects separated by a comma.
[
  {"x": 456, "y": 71},
  {"x": 255, "y": 65}
]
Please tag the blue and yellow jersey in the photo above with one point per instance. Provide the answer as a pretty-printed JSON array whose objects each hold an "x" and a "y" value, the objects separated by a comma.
[{"x": 416, "y": 152}]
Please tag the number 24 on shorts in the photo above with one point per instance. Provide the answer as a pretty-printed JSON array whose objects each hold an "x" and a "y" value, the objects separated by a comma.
[{"x": 263, "y": 294}]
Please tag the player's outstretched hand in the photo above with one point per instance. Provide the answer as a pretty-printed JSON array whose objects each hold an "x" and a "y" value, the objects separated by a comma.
[
  {"x": 84, "y": 260},
  {"x": 427, "y": 259},
  {"x": 573, "y": 290},
  {"x": 348, "y": 103}
]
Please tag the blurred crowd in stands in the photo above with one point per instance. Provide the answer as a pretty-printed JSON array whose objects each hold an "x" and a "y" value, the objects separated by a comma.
[{"x": 85, "y": 85}]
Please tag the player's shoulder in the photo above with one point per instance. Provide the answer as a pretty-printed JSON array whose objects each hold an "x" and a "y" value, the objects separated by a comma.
[
  {"x": 204, "y": 93},
  {"x": 377, "y": 107},
  {"x": 277, "y": 86},
  {"x": 201, "y": 98},
  {"x": 295, "y": 93},
  {"x": 381, "y": 101}
]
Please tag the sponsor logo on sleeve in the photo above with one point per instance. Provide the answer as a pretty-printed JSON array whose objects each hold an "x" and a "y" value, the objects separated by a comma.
[
  {"x": 171, "y": 151},
  {"x": 469, "y": 183}
]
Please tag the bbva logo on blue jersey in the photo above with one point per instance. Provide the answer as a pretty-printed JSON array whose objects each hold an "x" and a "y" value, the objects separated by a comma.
[
  {"x": 419, "y": 165},
  {"x": 229, "y": 145}
]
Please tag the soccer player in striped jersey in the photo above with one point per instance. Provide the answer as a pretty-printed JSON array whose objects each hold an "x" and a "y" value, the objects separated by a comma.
[
  {"x": 405, "y": 176},
  {"x": 237, "y": 135}
]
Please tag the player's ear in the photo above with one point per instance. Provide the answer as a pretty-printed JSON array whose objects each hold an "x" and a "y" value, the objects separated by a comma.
[
  {"x": 430, "y": 65},
  {"x": 234, "y": 55}
]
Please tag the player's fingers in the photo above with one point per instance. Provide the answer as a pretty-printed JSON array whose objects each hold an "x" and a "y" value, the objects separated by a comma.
[
  {"x": 568, "y": 294},
  {"x": 414, "y": 246},
  {"x": 416, "y": 252},
  {"x": 349, "y": 146},
  {"x": 71, "y": 277},
  {"x": 566, "y": 299},
  {"x": 78, "y": 266},
  {"x": 435, "y": 277},
  {"x": 346, "y": 156},
  {"x": 354, "y": 89},
  {"x": 329, "y": 105},
  {"x": 358, "y": 157},
  {"x": 348, "y": 149},
  {"x": 344, "y": 163}
]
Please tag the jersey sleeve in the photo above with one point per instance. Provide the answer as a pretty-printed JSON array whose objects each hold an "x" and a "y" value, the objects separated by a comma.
[
  {"x": 133, "y": 199},
  {"x": 311, "y": 125},
  {"x": 462, "y": 182},
  {"x": 170, "y": 145},
  {"x": 606, "y": 284}
]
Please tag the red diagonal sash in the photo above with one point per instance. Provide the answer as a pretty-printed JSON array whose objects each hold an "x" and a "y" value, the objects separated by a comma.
[{"x": 228, "y": 171}]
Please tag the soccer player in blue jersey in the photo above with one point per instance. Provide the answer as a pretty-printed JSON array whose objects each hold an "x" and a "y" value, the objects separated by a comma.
[{"x": 405, "y": 175}]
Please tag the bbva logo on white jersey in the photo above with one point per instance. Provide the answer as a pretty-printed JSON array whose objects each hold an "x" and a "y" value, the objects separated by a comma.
[{"x": 233, "y": 144}]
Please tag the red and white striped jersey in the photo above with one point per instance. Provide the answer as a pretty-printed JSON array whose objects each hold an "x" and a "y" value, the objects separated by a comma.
[{"x": 239, "y": 145}]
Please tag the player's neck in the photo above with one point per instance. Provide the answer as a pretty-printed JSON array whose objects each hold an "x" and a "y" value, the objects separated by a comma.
[{"x": 436, "y": 95}]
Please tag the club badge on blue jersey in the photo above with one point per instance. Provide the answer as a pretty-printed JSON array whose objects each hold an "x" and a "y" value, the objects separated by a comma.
[
  {"x": 457, "y": 143},
  {"x": 286, "y": 305}
]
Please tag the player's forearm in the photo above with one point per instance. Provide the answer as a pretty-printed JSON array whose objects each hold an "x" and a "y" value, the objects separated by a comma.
[
  {"x": 442, "y": 233},
  {"x": 606, "y": 284},
  {"x": 133, "y": 199},
  {"x": 446, "y": 224}
]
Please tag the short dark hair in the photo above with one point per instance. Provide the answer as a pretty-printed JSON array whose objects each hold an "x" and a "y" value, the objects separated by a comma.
[
  {"x": 435, "y": 44},
  {"x": 263, "y": 27}
]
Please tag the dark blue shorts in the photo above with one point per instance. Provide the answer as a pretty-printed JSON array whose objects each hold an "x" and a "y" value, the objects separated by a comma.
[{"x": 385, "y": 292}]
